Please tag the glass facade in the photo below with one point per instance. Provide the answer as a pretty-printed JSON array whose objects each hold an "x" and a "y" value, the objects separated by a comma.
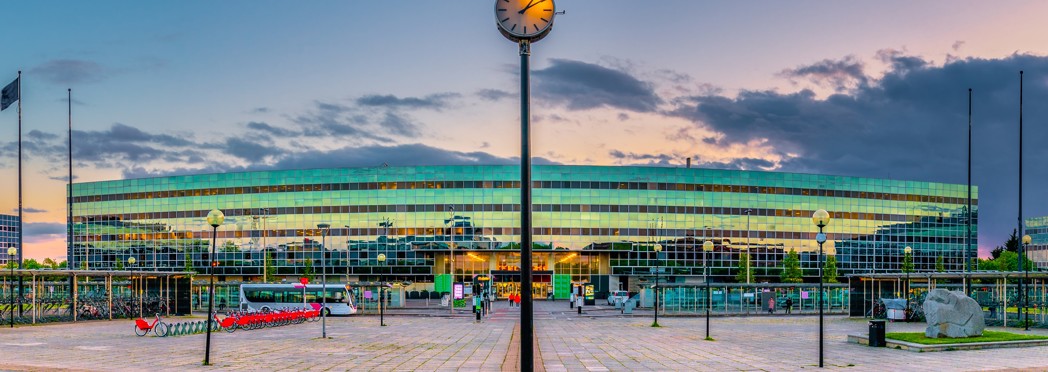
[
  {"x": 589, "y": 221},
  {"x": 1037, "y": 229},
  {"x": 8, "y": 236}
]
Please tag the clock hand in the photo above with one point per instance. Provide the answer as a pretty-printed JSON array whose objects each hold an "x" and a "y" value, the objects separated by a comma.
[{"x": 530, "y": 4}]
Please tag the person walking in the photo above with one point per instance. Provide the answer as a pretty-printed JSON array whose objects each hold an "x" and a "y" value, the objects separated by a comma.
[
  {"x": 789, "y": 304},
  {"x": 771, "y": 305}
]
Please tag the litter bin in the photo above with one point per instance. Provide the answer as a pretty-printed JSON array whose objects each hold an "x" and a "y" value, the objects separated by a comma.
[{"x": 877, "y": 333}]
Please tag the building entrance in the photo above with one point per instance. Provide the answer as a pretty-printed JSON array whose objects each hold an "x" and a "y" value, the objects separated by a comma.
[{"x": 508, "y": 282}]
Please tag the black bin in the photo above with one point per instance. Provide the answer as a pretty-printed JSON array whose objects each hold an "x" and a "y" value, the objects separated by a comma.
[{"x": 877, "y": 333}]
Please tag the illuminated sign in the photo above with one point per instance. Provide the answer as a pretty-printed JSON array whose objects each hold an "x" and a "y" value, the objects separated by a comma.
[{"x": 458, "y": 291}]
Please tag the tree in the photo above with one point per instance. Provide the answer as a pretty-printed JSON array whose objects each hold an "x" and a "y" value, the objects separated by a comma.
[
  {"x": 50, "y": 263},
  {"x": 940, "y": 265},
  {"x": 62, "y": 265},
  {"x": 31, "y": 264},
  {"x": 189, "y": 263},
  {"x": 307, "y": 271},
  {"x": 1012, "y": 245},
  {"x": 745, "y": 271},
  {"x": 268, "y": 263},
  {"x": 907, "y": 262},
  {"x": 229, "y": 246},
  {"x": 829, "y": 270},
  {"x": 792, "y": 271}
]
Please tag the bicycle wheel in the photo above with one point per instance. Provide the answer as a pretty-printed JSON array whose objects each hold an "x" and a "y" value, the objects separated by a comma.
[
  {"x": 161, "y": 329},
  {"x": 232, "y": 327},
  {"x": 139, "y": 331}
]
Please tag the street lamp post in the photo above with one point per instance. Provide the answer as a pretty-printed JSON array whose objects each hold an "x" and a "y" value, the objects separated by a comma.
[
  {"x": 323, "y": 277},
  {"x": 451, "y": 268},
  {"x": 707, "y": 247},
  {"x": 820, "y": 218},
  {"x": 11, "y": 253},
  {"x": 381, "y": 295},
  {"x": 907, "y": 267},
  {"x": 658, "y": 249},
  {"x": 1026, "y": 286},
  {"x": 215, "y": 219},
  {"x": 748, "y": 267},
  {"x": 131, "y": 266}
]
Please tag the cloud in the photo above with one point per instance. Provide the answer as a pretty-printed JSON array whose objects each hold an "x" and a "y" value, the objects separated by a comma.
[
  {"x": 70, "y": 71},
  {"x": 837, "y": 74},
  {"x": 276, "y": 131},
  {"x": 363, "y": 156},
  {"x": 36, "y": 232},
  {"x": 494, "y": 94},
  {"x": 433, "y": 101},
  {"x": 582, "y": 86},
  {"x": 251, "y": 151},
  {"x": 29, "y": 210},
  {"x": 908, "y": 124}
]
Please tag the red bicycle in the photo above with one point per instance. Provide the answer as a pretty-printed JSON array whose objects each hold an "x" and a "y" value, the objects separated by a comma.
[{"x": 157, "y": 326}]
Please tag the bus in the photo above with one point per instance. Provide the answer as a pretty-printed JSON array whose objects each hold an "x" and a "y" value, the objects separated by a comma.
[{"x": 259, "y": 297}]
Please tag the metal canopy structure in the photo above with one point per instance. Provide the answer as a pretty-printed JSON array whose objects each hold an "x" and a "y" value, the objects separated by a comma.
[{"x": 63, "y": 287}]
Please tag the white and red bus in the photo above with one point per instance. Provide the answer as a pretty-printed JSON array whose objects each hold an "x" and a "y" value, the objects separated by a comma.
[{"x": 260, "y": 297}]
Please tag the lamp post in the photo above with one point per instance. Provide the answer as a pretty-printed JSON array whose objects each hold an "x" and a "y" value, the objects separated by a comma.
[
  {"x": 820, "y": 218},
  {"x": 451, "y": 268},
  {"x": 1026, "y": 286},
  {"x": 748, "y": 267},
  {"x": 323, "y": 277},
  {"x": 658, "y": 249},
  {"x": 381, "y": 297},
  {"x": 215, "y": 219},
  {"x": 907, "y": 267},
  {"x": 11, "y": 253},
  {"x": 707, "y": 247},
  {"x": 131, "y": 266}
]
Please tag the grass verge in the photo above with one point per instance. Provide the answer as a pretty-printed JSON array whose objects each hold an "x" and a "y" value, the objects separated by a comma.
[{"x": 988, "y": 336}]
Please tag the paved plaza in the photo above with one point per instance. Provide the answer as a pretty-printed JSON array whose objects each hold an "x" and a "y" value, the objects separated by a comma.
[{"x": 600, "y": 340}]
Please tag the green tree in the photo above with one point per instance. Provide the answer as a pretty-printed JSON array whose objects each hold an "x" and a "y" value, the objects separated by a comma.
[
  {"x": 62, "y": 265},
  {"x": 307, "y": 271},
  {"x": 270, "y": 270},
  {"x": 229, "y": 246},
  {"x": 829, "y": 270},
  {"x": 907, "y": 262},
  {"x": 792, "y": 268},
  {"x": 119, "y": 264},
  {"x": 189, "y": 263},
  {"x": 745, "y": 271},
  {"x": 1009, "y": 261},
  {"x": 50, "y": 263},
  {"x": 31, "y": 264},
  {"x": 940, "y": 265}
]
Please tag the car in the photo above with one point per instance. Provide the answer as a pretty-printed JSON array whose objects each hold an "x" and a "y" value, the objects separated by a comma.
[{"x": 620, "y": 296}]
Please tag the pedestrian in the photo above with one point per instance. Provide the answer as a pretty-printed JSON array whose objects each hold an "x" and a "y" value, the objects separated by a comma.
[
  {"x": 789, "y": 304},
  {"x": 571, "y": 302},
  {"x": 509, "y": 298},
  {"x": 771, "y": 305}
]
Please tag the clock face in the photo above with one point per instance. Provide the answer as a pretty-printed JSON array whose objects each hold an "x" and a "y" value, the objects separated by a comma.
[{"x": 524, "y": 19}]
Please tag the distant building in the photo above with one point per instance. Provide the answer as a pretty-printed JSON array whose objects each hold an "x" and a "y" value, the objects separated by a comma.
[
  {"x": 8, "y": 236},
  {"x": 1037, "y": 229},
  {"x": 438, "y": 224}
]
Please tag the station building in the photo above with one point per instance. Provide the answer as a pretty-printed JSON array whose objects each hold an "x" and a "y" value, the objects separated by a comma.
[{"x": 443, "y": 224}]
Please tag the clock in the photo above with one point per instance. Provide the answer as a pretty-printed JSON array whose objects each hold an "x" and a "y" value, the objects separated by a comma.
[{"x": 524, "y": 19}]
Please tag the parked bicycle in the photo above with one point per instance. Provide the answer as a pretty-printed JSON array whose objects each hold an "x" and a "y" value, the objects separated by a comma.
[{"x": 157, "y": 326}]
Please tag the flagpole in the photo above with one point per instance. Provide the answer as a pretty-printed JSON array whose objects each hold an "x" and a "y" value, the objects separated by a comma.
[
  {"x": 21, "y": 222},
  {"x": 69, "y": 193}
]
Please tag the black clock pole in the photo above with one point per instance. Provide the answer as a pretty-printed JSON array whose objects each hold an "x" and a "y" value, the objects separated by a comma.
[{"x": 527, "y": 329}]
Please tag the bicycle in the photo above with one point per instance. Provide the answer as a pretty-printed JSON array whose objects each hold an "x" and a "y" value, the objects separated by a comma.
[{"x": 157, "y": 326}]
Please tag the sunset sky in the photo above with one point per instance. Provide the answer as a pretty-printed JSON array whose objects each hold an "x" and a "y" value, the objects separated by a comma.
[{"x": 872, "y": 89}]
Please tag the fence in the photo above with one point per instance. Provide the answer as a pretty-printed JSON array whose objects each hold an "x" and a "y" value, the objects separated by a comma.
[{"x": 739, "y": 298}]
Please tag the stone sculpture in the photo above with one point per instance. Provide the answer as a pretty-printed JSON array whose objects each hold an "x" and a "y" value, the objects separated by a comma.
[{"x": 952, "y": 314}]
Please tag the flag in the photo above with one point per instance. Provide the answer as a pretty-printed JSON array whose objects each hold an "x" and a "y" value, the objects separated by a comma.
[{"x": 10, "y": 95}]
